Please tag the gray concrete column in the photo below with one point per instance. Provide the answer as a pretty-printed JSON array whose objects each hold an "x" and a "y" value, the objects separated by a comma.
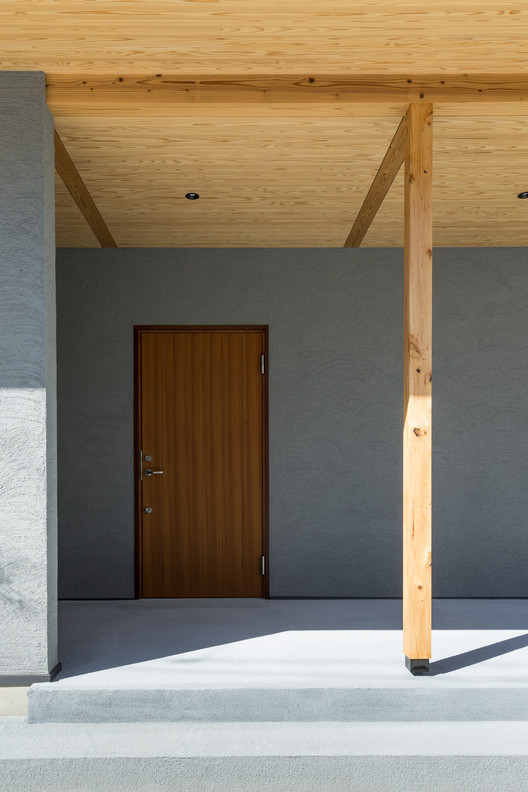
[{"x": 28, "y": 448}]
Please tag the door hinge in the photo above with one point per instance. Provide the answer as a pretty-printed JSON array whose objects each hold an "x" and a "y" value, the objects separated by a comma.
[
  {"x": 263, "y": 565},
  {"x": 263, "y": 364}
]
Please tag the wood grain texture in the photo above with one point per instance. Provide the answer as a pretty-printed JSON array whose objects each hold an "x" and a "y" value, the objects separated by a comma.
[
  {"x": 285, "y": 182},
  {"x": 170, "y": 420},
  {"x": 69, "y": 222},
  {"x": 79, "y": 192},
  {"x": 151, "y": 36},
  {"x": 392, "y": 162},
  {"x": 191, "y": 460},
  {"x": 229, "y": 63},
  {"x": 417, "y": 383},
  {"x": 233, "y": 467},
  {"x": 205, "y": 535},
  {"x": 165, "y": 94},
  {"x": 213, "y": 412}
]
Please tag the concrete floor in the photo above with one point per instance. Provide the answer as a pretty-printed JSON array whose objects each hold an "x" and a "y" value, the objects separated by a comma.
[{"x": 287, "y": 643}]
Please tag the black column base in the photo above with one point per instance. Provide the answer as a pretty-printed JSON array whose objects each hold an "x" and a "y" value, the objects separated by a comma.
[{"x": 417, "y": 667}]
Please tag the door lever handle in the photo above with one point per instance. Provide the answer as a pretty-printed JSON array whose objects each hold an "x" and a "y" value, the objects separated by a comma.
[{"x": 149, "y": 472}]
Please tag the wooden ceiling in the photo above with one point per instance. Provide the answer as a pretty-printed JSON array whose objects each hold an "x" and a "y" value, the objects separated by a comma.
[{"x": 268, "y": 109}]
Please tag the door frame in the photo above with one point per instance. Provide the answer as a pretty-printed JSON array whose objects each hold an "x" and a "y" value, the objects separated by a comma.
[{"x": 138, "y": 330}]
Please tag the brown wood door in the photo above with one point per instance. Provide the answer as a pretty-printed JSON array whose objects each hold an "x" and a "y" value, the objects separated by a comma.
[{"x": 201, "y": 420}]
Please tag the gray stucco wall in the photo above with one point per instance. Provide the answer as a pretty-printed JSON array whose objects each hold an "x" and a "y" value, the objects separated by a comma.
[
  {"x": 335, "y": 366},
  {"x": 28, "y": 476}
]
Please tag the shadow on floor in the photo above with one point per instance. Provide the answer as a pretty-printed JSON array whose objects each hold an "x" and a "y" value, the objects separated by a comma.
[
  {"x": 96, "y": 635},
  {"x": 100, "y": 634},
  {"x": 479, "y": 655}
]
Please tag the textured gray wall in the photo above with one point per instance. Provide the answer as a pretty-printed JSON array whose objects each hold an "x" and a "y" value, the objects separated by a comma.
[
  {"x": 28, "y": 481},
  {"x": 480, "y": 422},
  {"x": 335, "y": 321}
]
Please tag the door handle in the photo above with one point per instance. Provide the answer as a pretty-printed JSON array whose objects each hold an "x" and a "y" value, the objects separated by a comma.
[{"x": 149, "y": 472}]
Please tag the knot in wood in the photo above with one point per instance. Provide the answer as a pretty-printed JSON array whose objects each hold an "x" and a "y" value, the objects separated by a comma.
[
  {"x": 414, "y": 347},
  {"x": 419, "y": 432}
]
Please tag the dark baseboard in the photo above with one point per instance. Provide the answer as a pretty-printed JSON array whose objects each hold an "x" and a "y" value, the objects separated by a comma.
[{"x": 13, "y": 680}]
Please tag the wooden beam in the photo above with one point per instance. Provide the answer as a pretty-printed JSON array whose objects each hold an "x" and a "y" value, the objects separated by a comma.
[
  {"x": 79, "y": 192},
  {"x": 392, "y": 162},
  {"x": 165, "y": 93},
  {"x": 417, "y": 383}
]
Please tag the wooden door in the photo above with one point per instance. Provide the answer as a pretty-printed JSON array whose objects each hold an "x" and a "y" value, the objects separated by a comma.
[{"x": 201, "y": 405}]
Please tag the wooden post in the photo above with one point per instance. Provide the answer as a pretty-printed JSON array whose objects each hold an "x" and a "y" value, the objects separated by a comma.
[{"x": 417, "y": 388}]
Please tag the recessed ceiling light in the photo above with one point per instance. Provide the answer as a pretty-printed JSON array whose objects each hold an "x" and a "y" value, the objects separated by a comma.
[
  {"x": 195, "y": 196},
  {"x": 523, "y": 195}
]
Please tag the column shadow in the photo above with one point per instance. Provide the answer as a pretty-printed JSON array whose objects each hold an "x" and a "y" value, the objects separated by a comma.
[{"x": 475, "y": 656}]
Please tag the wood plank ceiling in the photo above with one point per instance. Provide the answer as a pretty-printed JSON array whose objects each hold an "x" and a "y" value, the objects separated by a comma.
[{"x": 273, "y": 167}]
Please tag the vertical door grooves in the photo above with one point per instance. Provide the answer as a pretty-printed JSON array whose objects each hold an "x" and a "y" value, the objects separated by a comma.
[
  {"x": 177, "y": 365},
  {"x": 204, "y": 472},
  {"x": 178, "y": 440},
  {"x": 160, "y": 464},
  {"x": 222, "y": 457},
  {"x": 263, "y": 447},
  {"x": 203, "y": 515},
  {"x": 175, "y": 529},
  {"x": 242, "y": 456},
  {"x": 192, "y": 462}
]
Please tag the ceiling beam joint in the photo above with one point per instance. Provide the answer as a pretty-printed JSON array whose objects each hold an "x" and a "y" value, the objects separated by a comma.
[
  {"x": 392, "y": 162},
  {"x": 79, "y": 192}
]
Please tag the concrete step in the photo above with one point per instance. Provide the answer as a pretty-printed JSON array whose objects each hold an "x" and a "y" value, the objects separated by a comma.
[
  {"x": 264, "y": 757},
  {"x": 53, "y": 703},
  {"x": 261, "y": 660},
  {"x": 297, "y": 675}
]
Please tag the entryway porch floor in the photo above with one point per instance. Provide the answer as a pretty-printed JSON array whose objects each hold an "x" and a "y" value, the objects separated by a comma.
[
  {"x": 275, "y": 696},
  {"x": 283, "y": 660}
]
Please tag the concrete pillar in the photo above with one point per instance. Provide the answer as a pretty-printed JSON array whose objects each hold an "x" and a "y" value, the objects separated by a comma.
[{"x": 28, "y": 477}]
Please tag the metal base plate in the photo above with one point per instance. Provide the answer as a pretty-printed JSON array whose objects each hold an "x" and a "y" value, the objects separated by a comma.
[{"x": 417, "y": 667}]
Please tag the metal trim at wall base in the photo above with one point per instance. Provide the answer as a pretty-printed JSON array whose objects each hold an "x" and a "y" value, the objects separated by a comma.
[{"x": 12, "y": 680}]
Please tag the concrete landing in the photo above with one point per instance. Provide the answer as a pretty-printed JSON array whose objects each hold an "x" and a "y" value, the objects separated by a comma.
[{"x": 259, "y": 661}]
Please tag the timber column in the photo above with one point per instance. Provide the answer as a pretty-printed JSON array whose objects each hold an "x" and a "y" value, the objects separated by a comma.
[
  {"x": 28, "y": 466},
  {"x": 418, "y": 283}
]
